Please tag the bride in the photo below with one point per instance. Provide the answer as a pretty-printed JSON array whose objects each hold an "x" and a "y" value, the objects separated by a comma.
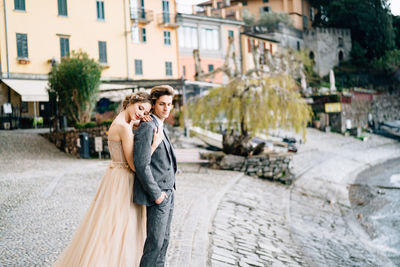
[{"x": 113, "y": 231}]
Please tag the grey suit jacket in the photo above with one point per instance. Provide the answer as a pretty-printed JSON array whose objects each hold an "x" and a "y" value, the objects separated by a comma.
[{"x": 156, "y": 172}]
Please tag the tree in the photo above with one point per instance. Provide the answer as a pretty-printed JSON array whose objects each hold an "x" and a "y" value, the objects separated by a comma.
[
  {"x": 370, "y": 23},
  {"x": 271, "y": 20},
  {"x": 75, "y": 81},
  {"x": 396, "y": 28},
  {"x": 266, "y": 97}
]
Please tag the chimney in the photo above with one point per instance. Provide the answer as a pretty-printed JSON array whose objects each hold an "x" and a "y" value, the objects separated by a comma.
[
  {"x": 223, "y": 13},
  {"x": 214, "y": 4},
  {"x": 194, "y": 9},
  {"x": 208, "y": 11}
]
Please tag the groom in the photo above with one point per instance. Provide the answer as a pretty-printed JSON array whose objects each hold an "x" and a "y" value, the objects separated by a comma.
[{"x": 155, "y": 178}]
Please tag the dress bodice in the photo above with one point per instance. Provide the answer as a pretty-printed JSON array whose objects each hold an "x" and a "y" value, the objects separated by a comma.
[{"x": 116, "y": 151}]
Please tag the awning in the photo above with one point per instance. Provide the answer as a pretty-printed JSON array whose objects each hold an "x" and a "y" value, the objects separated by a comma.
[
  {"x": 29, "y": 90},
  {"x": 115, "y": 92}
]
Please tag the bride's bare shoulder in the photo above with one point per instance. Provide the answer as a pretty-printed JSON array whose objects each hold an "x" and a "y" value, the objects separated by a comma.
[{"x": 117, "y": 130}]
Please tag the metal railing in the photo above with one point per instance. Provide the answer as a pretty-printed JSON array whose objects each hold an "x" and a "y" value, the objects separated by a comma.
[
  {"x": 141, "y": 15},
  {"x": 167, "y": 19}
]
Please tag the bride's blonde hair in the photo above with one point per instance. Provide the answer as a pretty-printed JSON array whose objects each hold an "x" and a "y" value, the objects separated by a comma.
[{"x": 138, "y": 97}]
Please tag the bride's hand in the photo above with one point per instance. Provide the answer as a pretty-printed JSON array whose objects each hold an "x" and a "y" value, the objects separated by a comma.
[{"x": 158, "y": 136}]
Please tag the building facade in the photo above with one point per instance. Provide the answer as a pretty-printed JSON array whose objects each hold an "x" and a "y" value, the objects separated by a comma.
[
  {"x": 327, "y": 47},
  {"x": 210, "y": 36},
  {"x": 132, "y": 40},
  {"x": 300, "y": 11}
]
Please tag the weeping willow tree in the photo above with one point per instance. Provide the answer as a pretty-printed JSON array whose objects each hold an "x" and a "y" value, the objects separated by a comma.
[{"x": 266, "y": 97}]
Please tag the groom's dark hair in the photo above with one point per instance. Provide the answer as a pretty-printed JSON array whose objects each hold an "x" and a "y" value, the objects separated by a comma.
[{"x": 159, "y": 91}]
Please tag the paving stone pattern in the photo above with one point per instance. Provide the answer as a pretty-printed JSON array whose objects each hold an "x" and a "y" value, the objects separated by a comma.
[{"x": 249, "y": 228}]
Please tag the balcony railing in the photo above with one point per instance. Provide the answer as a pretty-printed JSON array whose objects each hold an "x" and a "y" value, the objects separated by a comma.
[
  {"x": 167, "y": 20},
  {"x": 141, "y": 15}
]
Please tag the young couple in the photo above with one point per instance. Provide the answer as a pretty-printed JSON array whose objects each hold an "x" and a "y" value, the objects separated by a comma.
[{"x": 117, "y": 231}]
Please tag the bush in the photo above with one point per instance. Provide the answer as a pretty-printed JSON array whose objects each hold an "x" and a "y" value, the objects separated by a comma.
[
  {"x": 106, "y": 123},
  {"x": 388, "y": 62},
  {"x": 90, "y": 124}
]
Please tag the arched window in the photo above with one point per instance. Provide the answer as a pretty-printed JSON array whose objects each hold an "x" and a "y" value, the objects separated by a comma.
[
  {"x": 311, "y": 55},
  {"x": 341, "y": 56}
]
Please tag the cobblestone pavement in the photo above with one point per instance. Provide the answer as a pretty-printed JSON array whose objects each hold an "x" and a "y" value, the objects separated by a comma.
[
  {"x": 44, "y": 194},
  {"x": 250, "y": 227},
  {"x": 260, "y": 223}
]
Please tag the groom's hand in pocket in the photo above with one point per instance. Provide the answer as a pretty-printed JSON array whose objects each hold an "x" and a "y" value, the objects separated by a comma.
[{"x": 161, "y": 198}]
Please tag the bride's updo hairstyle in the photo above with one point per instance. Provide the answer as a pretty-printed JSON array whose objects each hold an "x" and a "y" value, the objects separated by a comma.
[{"x": 138, "y": 97}]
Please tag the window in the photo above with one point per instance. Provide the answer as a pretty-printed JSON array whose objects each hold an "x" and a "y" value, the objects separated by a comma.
[
  {"x": 168, "y": 68},
  {"x": 231, "y": 33},
  {"x": 341, "y": 43},
  {"x": 265, "y": 1},
  {"x": 102, "y": 52},
  {"x": 64, "y": 46},
  {"x": 298, "y": 46},
  {"x": 100, "y": 10},
  {"x": 187, "y": 37},
  {"x": 167, "y": 37},
  {"x": 19, "y": 5},
  {"x": 265, "y": 9},
  {"x": 22, "y": 45},
  {"x": 341, "y": 56},
  {"x": 184, "y": 71},
  {"x": 209, "y": 39},
  {"x": 138, "y": 34},
  {"x": 62, "y": 8},
  {"x": 244, "y": 3},
  {"x": 24, "y": 107},
  {"x": 135, "y": 34},
  {"x": 210, "y": 67},
  {"x": 138, "y": 67},
  {"x": 311, "y": 11},
  {"x": 144, "y": 38}
]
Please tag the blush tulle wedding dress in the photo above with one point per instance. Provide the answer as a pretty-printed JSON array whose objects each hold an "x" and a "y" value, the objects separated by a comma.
[{"x": 113, "y": 230}]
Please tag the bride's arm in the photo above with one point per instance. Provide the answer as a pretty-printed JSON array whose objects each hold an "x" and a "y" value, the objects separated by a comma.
[{"x": 127, "y": 145}]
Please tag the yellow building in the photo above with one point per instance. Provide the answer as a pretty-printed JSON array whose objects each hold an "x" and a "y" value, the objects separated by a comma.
[
  {"x": 300, "y": 11},
  {"x": 132, "y": 39}
]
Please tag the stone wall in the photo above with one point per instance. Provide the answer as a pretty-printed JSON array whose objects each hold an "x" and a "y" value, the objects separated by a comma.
[
  {"x": 67, "y": 141},
  {"x": 386, "y": 107},
  {"x": 275, "y": 166},
  {"x": 326, "y": 44}
]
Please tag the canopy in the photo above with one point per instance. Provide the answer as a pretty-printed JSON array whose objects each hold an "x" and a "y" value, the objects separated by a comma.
[{"x": 29, "y": 90}]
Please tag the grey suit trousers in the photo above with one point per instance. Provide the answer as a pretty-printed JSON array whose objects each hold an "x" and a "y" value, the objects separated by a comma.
[{"x": 159, "y": 219}]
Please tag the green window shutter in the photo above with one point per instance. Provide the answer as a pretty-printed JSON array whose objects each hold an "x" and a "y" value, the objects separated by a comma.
[
  {"x": 100, "y": 10},
  {"x": 22, "y": 45},
  {"x": 102, "y": 52},
  {"x": 210, "y": 67},
  {"x": 167, "y": 38},
  {"x": 64, "y": 47},
  {"x": 168, "y": 68},
  {"x": 62, "y": 7},
  {"x": 19, "y": 4},
  {"x": 138, "y": 67},
  {"x": 230, "y": 33},
  {"x": 144, "y": 37}
]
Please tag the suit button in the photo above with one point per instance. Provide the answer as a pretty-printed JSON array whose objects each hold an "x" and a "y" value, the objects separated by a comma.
[{"x": 164, "y": 181}]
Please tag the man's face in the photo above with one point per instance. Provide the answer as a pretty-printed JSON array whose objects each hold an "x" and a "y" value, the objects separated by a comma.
[{"x": 163, "y": 107}]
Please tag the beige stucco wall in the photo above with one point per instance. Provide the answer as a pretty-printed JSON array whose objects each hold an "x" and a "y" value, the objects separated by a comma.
[
  {"x": 43, "y": 26},
  {"x": 154, "y": 53}
]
